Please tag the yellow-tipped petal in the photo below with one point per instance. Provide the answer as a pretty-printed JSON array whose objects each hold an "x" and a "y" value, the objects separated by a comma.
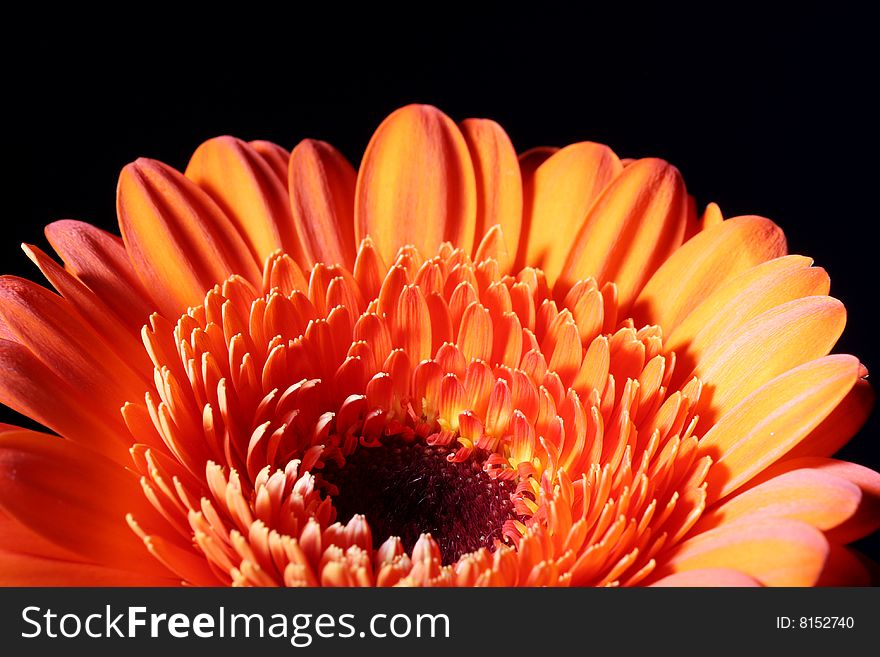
[
  {"x": 416, "y": 184},
  {"x": 498, "y": 183},
  {"x": 633, "y": 227},
  {"x": 322, "y": 185},
  {"x": 560, "y": 194},
  {"x": 702, "y": 265}
]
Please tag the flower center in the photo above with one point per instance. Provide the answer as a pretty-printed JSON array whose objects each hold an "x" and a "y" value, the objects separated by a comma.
[{"x": 405, "y": 488}]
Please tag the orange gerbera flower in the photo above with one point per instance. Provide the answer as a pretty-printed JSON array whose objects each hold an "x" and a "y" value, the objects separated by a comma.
[{"x": 450, "y": 367}]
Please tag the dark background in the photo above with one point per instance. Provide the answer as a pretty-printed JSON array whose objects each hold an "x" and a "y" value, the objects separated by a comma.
[{"x": 765, "y": 110}]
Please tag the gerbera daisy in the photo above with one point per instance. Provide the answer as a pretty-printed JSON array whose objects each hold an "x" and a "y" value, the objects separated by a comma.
[{"x": 453, "y": 366}]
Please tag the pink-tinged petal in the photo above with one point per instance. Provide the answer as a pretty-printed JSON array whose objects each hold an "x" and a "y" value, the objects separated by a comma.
[
  {"x": 768, "y": 423},
  {"x": 499, "y": 185},
  {"x": 765, "y": 347},
  {"x": 248, "y": 191},
  {"x": 100, "y": 261},
  {"x": 632, "y": 228},
  {"x": 322, "y": 185},
  {"x": 775, "y": 552},
  {"x": 820, "y": 499},
  {"x": 180, "y": 242},
  {"x": 29, "y": 387},
  {"x": 708, "y": 577},
  {"x": 560, "y": 194},
  {"x": 866, "y": 517},
  {"x": 416, "y": 184},
  {"x": 74, "y": 498},
  {"x": 702, "y": 265}
]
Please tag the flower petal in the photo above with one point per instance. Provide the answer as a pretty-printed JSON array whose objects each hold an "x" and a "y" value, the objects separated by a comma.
[
  {"x": 773, "y": 419},
  {"x": 708, "y": 577},
  {"x": 768, "y": 345},
  {"x": 740, "y": 299},
  {"x": 100, "y": 261},
  {"x": 19, "y": 539},
  {"x": 48, "y": 326},
  {"x": 632, "y": 228},
  {"x": 180, "y": 242},
  {"x": 702, "y": 265},
  {"x": 248, "y": 191},
  {"x": 73, "y": 498},
  {"x": 775, "y": 552},
  {"x": 560, "y": 194},
  {"x": 837, "y": 429},
  {"x": 275, "y": 156},
  {"x": 28, "y": 559},
  {"x": 18, "y": 569},
  {"x": 531, "y": 159},
  {"x": 499, "y": 185},
  {"x": 416, "y": 184},
  {"x": 866, "y": 517},
  {"x": 29, "y": 387},
  {"x": 100, "y": 317},
  {"x": 322, "y": 185},
  {"x": 823, "y": 500}
]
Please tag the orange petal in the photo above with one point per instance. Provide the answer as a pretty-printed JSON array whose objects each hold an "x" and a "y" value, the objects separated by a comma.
[
  {"x": 48, "y": 326},
  {"x": 19, "y": 539},
  {"x": 416, "y": 184},
  {"x": 100, "y": 261},
  {"x": 275, "y": 156},
  {"x": 29, "y": 387},
  {"x": 560, "y": 194},
  {"x": 702, "y": 265},
  {"x": 635, "y": 225},
  {"x": 820, "y": 499},
  {"x": 322, "y": 184},
  {"x": 844, "y": 422},
  {"x": 866, "y": 518},
  {"x": 73, "y": 498},
  {"x": 91, "y": 308},
  {"x": 763, "y": 348},
  {"x": 708, "y": 577},
  {"x": 18, "y": 569},
  {"x": 475, "y": 335},
  {"x": 773, "y": 419},
  {"x": 711, "y": 216},
  {"x": 775, "y": 552},
  {"x": 248, "y": 191},
  {"x": 499, "y": 185},
  {"x": 411, "y": 328},
  {"x": 742, "y": 298},
  {"x": 180, "y": 242},
  {"x": 531, "y": 159},
  {"x": 28, "y": 559}
]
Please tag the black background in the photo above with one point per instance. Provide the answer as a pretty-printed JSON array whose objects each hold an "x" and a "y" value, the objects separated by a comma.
[{"x": 766, "y": 110}]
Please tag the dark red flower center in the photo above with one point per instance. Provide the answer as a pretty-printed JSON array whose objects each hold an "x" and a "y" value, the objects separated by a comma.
[{"x": 405, "y": 488}]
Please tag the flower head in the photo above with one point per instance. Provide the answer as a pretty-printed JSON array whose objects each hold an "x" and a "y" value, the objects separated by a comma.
[{"x": 453, "y": 366}]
